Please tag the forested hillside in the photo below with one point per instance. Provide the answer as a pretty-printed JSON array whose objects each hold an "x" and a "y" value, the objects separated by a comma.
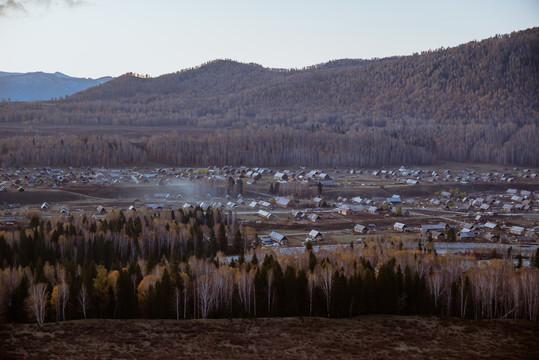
[{"x": 475, "y": 102}]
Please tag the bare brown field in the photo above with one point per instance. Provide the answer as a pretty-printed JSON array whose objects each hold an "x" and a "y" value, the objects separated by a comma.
[
  {"x": 370, "y": 337},
  {"x": 39, "y": 196}
]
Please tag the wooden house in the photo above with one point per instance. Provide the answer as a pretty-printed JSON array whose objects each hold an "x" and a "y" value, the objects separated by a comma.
[{"x": 278, "y": 238}]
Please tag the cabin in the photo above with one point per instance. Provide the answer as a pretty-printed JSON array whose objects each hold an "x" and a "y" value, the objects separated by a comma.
[
  {"x": 469, "y": 227},
  {"x": 101, "y": 209},
  {"x": 297, "y": 214},
  {"x": 491, "y": 226},
  {"x": 314, "y": 218},
  {"x": 160, "y": 206},
  {"x": 362, "y": 229},
  {"x": 324, "y": 176},
  {"x": 3, "y": 189},
  {"x": 357, "y": 199},
  {"x": 372, "y": 210},
  {"x": 437, "y": 235},
  {"x": 311, "y": 174},
  {"x": 400, "y": 227},
  {"x": 187, "y": 206},
  {"x": 466, "y": 235},
  {"x": 484, "y": 207},
  {"x": 283, "y": 202},
  {"x": 265, "y": 214},
  {"x": 491, "y": 237},
  {"x": 45, "y": 206},
  {"x": 315, "y": 235},
  {"x": 395, "y": 199},
  {"x": 508, "y": 208},
  {"x": 516, "y": 230},
  {"x": 344, "y": 210},
  {"x": 278, "y": 238},
  {"x": 281, "y": 176}
]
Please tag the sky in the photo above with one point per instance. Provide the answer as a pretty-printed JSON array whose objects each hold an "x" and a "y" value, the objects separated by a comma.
[{"x": 94, "y": 38}]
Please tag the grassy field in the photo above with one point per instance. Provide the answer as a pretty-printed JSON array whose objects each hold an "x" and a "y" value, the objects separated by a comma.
[{"x": 371, "y": 337}]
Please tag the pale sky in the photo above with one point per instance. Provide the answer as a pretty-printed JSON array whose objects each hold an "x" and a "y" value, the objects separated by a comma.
[{"x": 94, "y": 38}]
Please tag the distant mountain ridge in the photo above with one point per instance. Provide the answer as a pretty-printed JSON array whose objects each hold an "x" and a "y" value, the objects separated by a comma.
[{"x": 43, "y": 86}]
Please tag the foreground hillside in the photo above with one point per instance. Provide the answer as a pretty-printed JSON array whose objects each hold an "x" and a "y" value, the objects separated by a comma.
[
  {"x": 476, "y": 102},
  {"x": 372, "y": 337}
]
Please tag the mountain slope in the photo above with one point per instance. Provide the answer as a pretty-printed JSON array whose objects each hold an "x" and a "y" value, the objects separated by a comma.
[
  {"x": 42, "y": 86},
  {"x": 493, "y": 80},
  {"x": 476, "y": 102}
]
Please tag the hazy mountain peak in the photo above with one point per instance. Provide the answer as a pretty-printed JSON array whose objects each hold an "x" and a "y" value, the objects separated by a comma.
[{"x": 42, "y": 86}]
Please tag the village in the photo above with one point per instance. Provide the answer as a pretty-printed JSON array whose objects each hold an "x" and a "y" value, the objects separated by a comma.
[{"x": 456, "y": 210}]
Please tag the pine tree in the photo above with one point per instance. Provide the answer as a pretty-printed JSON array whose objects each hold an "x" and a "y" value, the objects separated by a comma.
[
  {"x": 291, "y": 306},
  {"x": 312, "y": 260},
  {"x": 17, "y": 308},
  {"x": 222, "y": 239},
  {"x": 254, "y": 260},
  {"x": 238, "y": 243},
  {"x": 126, "y": 298}
]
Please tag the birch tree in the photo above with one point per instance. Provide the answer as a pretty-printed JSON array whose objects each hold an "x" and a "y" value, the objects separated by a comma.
[
  {"x": 324, "y": 274},
  {"x": 37, "y": 301},
  {"x": 83, "y": 299}
]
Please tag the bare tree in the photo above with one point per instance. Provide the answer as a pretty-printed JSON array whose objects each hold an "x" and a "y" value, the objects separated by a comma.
[
  {"x": 324, "y": 275},
  {"x": 186, "y": 288},
  {"x": 177, "y": 301},
  {"x": 204, "y": 294},
  {"x": 244, "y": 283},
  {"x": 463, "y": 296},
  {"x": 83, "y": 298},
  {"x": 435, "y": 283},
  {"x": 529, "y": 279},
  {"x": 37, "y": 301}
]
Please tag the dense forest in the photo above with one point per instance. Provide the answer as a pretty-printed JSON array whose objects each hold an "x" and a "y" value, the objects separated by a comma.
[
  {"x": 475, "y": 102},
  {"x": 174, "y": 265}
]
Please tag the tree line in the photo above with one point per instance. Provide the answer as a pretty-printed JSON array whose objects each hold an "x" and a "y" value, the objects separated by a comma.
[
  {"x": 44, "y": 278},
  {"x": 275, "y": 146}
]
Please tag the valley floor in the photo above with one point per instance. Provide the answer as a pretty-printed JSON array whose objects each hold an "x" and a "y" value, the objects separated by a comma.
[{"x": 369, "y": 337}]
